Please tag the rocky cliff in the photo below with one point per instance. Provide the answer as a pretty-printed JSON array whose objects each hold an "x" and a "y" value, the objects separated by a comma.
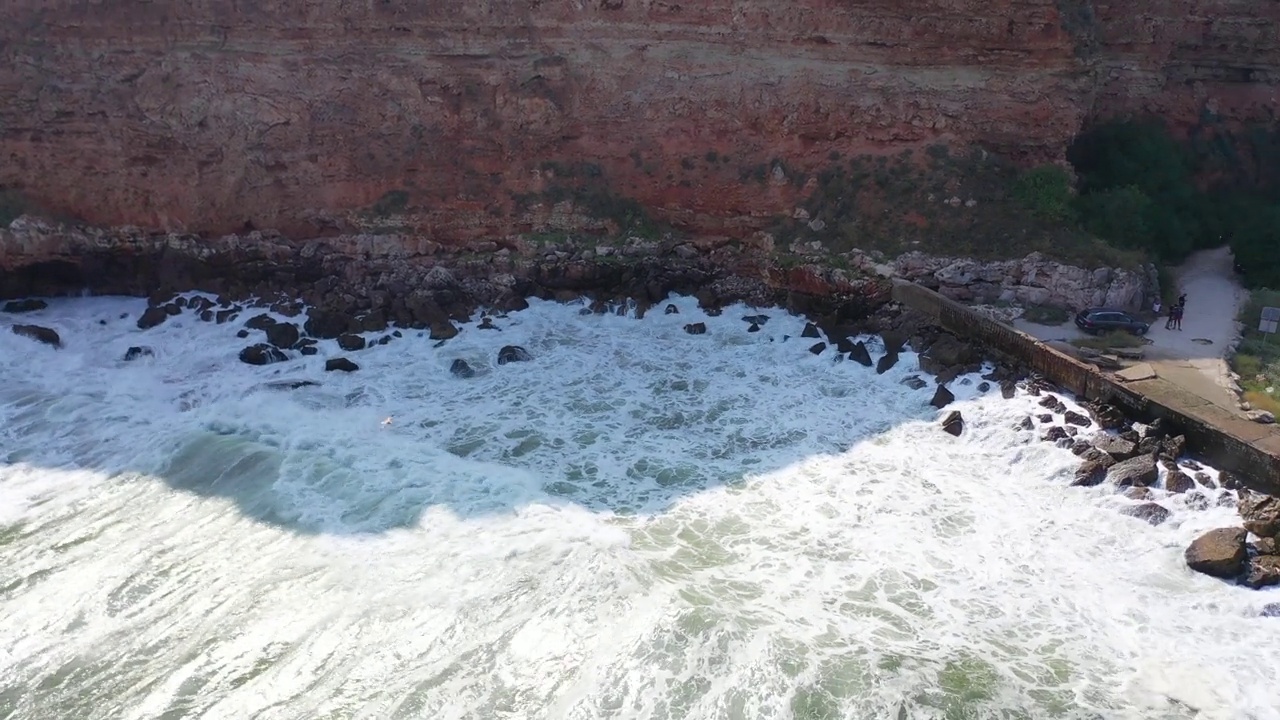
[{"x": 475, "y": 120}]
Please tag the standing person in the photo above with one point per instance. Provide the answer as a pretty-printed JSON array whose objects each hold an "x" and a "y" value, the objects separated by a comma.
[
  {"x": 1176, "y": 316},
  {"x": 1182, "y": 300},
  {"x": 1156, "y": 307},
  {"x": 1168, "y": 322}
]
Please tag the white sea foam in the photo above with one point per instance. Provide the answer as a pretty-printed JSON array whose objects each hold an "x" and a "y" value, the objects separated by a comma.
[{"x": 639, "y": 523}]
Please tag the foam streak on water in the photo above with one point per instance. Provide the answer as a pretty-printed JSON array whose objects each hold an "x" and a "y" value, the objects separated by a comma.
[{"x": 639, "y": 523}]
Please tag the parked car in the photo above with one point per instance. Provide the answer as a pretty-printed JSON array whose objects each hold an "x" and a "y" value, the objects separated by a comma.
[{"x": 1096, "y": 321}]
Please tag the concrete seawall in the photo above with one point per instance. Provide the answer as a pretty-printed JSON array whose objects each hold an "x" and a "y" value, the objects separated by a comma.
[{"x": 1249, "y": 450}]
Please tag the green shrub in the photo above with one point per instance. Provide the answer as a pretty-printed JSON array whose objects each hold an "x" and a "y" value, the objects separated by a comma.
[
  {"x": 1046, "y": 192},
  {"x": 1118, "y": 215}
]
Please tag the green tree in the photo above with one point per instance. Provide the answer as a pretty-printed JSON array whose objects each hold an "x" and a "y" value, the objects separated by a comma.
[
  {"x": 1046, "y": 192},
  {"x": 1120, "y": 215}
]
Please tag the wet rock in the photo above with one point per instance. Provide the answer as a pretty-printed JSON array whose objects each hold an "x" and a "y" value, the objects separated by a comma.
[
  {"x": 327, "y": 324},
  {"x": 1045, "y": 418},
  {"x": 173, "y": 308},
  {"x": 1205, "y": 480},
  {"x": 351, "y": 343},
  {"x": 1131, "y": 435},
  {"x": 1152, "y": 513},
  {"x": 1270, "y": 610},
  {"x": 283, "y": 335},
  {"x": 340, "y": 364},
  {"x": 1220, "y": 553},
  {"x": 135, "y": 352},
  {"x": 817, "y": 348},
  {"x": 1093, "y": 454},
  {"x": 261, "y": 354},
  {"x": 1138, "y": 493},
  {"x": 1262, "y": 571},
  {"x": 1148, "y": 446},
  {"x": 1177, "y": 481},
  {"x": 1052, "y": 402},
  {"x": 1008, "y": 389},
  {"x": 225, "y": 316},
  {"x": 947, "y": 351},
  {"x": 1266, "y": 546},
  {"x": 886, "y": 363},
  {"x": 22, "y": 306},
  {"x": 1074, "y": 418},
  {"x": 206, "y": 315},
  {"x": 953, "y": 423},
  {"x": 486, "y": 323},
  {"x": 1054, "y": 434},
  {"x": 260, "y": 322},
  {"x": 39, "y": 334},
  {"x": 915, "y": 382},
  {"x": 860, "y": 355},
  {"x": 292, "y": 384},
  {"x": 152, "y": 317},
  {"x": 696, "y": 328},
  {"x": 671, "y": 310},
  {"x": 984, "y": 387},
  {"x": 810, "y": 331},
  {"x": 1108, "y": 417},
  {"x": 242, "y": 333},
  {"x": 1116, "y": 447},
  {"x": 309, "y": 350},
  {"x": 1261, "y": 513},
  {"x": 1230, "y": 480},
  {"x": 1080, "y": 447},
  {"x": 755, "y": 319},
  {"x": 1197, "y": 500},
  {"x": 753, "y": 328},
  {"x": 1089, "y": 474},
  {"x": 942, "y": 397},
  {"x": 1027, "y": 423},
  {"x": 513, "y": 353},
  {"x": 461, "y": 369},
  {"x": 1140, "y": 471},
  {"x": 443, "y": 330}
]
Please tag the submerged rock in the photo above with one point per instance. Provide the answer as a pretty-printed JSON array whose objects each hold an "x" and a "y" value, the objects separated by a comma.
[
  {"x": 696, "y": 328},
  {"x": 135, "y": 352},
  {"x": 1220, "y": 553},
  {"x": 292, "y": 384},
  {"x": 22, "y": 306},
  {"x": 261, "y": 354},
  {"x": 953, "y": 423},
  {"x": 350, "y": 342},
  {"x": 753, "y": 328},
  {"x": 152, "y": 317},
  {"x": 1152, "y": 513},
  {"x": 671, "y": 310},
  {"x": 340, "y": 364},
  {"x": 810, "y": 331},
  {"x": 39, "y": 334},
  {"x": 443, "y": 330},
  {"x": 915, "y": 382},
  {"x": 283, "y": 335},
  {"x": 513, "y": 353},
  {"x": 817, "y": 348},
  {"x": 886, "y": 363},
  {"x": 461, "y": 369}
]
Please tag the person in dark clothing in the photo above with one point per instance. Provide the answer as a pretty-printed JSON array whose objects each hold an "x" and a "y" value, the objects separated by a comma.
[{"x": 1176, "y": 316}]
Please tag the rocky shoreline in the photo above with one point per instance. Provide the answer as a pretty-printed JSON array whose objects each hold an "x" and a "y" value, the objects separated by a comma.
[{"x": 343, "y": 289}]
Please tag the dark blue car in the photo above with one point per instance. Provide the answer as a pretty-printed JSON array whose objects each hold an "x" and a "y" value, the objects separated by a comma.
[{"x": 1096, "y": 321}]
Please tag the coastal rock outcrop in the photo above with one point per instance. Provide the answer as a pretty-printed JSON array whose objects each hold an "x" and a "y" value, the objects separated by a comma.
[
  {"x": 45, "y": 335},
  {"x": 1220, "y": 553}
]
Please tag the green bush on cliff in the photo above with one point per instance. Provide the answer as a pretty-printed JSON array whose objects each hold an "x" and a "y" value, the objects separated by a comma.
[
  {"x": 1118, "y": 214},
  {"x": 1046, "y": 192}
]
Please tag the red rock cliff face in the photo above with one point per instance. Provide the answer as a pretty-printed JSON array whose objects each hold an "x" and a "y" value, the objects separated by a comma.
[{"x": 464, "y": 120}]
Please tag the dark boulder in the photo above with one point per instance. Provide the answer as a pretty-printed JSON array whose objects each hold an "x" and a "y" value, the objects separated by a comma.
[
  {"x": 261, "y": 354},
  {"x": 1027, "y": 423},
  {"x": 1176, "y": 481},
  {"x": 260, "y": 322},
  {"x": 1008, "y": 389},
  {"x": 1052, "y": 402},
  {"x": 242, "y": 333},
  {"x": 1089, "y": 474},
  {"x": 1074, "y": 418},
  {"x": 942, "y": 397},
  {"x": 443, "y": 330},
  {"x": 22, "y": 306},
  {"x": 1262, "y": 571},
  {"x": 1054, "y": 434},
  {"x": 1108, "y": 417},
  {"x": 1080, "y": 447},
  {"x": 328, "y": 324},
  {"x": 152, "y": 317},
  {"x": 460, "y": 368},
  {"x": 1173, "y": 447},
  {"x": 947, "y": 351},
  {"x": 915, "y": 382},
  {"x": 696, "y": 328},
  {"x": 225, "y": 316},
  {"x": 1220, "y": 553},
  {"x": 753, "y": 328},
  {"x": 1148, "y": 446},
  {"x": 173, "y": 308},
  {"x": 351, "y": 343},
  {"x": 860, "y": 355},
  {"x": 1261, "y": 513},
  {"x": 135, "y": 352},
  {"x": 886, "y": 363},
  {"x": 1116, "y": 447},
  {"x": 283, "y": 335},
  {"x": 671, "y": 309},
  {"x": 810, "y": 331},
  {"x": 1045, "y": 418},
  {"x": 1152, "y": 513},
  {"x": 1140, "y": 471},
  {"x": 817, "y": 348},
  {"x": 39, "y": 334},
  {"x": 513, "y": 353},
  {"x": 953, "y": 423},
  {"x": 206, "y": 315},
  {"x": 309, "y": 350},
  {"x": 486, "y": 323},
  {"x": 756, "y": 319},
  {"x": 341, "y": 364}
]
